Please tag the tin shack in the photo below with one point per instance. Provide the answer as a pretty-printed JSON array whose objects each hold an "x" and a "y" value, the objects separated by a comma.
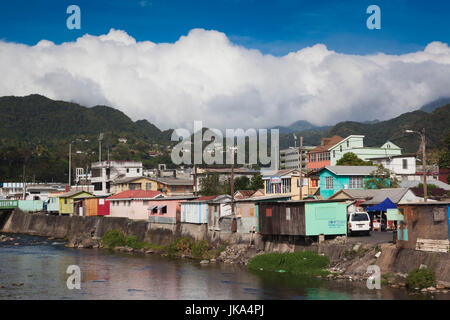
[
  {"x": 424, "y": 226},
  {"x": 304, "y": 218}
]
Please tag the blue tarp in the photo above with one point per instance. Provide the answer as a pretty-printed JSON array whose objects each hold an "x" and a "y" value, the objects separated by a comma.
[{"x": 383, "y": 206}]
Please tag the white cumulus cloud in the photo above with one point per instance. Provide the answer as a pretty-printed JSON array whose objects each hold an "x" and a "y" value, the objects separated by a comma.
[{"x": 204, "y": 76}]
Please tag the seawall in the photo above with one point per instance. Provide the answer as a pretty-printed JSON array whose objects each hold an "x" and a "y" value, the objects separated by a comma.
[{"x": 66, "y": 227}]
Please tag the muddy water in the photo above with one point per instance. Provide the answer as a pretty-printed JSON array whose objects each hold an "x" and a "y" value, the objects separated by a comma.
[{"x": 36, "y": 269}]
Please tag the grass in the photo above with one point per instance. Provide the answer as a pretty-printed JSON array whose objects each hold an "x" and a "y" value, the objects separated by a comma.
[
  {"x": 197, "y": 249},
  {"x": 116, "y": 238},
  {"x": 298, "y": 263},
  {"x": 185, "y": 246},
  {"x": 420, "y": 278}
]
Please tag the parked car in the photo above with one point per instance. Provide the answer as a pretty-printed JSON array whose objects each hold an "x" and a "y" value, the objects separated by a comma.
[{"x": 358, "y": 222}]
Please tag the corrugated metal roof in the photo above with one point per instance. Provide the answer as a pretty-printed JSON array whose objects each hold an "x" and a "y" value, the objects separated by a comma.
[
  {"x": 134, "y": 194},
  {"x": 395, "y": 194},
  {"x": 415, "y": 183},
  {"x": 72, "y": 193},
  {"x": 352, "y": 170}
]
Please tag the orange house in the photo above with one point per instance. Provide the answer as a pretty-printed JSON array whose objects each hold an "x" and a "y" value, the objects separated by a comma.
[{"x": 319, "y": 157}]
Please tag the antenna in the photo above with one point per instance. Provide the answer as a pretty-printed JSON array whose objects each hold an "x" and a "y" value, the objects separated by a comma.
[{"x": 100, "y": 138}]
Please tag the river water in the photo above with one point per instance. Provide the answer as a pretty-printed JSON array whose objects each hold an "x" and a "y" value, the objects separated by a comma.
[{"x": 37, "y": 269}]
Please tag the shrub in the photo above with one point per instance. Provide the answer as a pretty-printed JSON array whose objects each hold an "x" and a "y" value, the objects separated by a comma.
[
  {"x": 420, "y": 278},
  {"x": 199, "y": 248},
  {"x": 307, "y": 262},
  {"x": 133, "y": 242},
  {"x": 114, "y": 238},
  {"x": 180, "y": 245}
]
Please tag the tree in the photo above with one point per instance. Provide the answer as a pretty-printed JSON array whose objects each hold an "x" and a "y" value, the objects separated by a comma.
[
  {"x": 351, "y": 159},
  {"x": 242, "y": 183},
  {"x": 256, "y": 182},
  {"x": 444, "y": 159},
  {"x": 210, "y": 185},
  {"x": 381, "y": 178}
]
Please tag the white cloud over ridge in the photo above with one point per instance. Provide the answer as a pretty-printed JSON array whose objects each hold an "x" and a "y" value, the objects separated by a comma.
[{"x": 203, "y": 76}]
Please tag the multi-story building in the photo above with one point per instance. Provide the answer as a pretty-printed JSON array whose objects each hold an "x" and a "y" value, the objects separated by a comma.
[
  {"x": 355, "y": 144},
  {"x": 289, "y": 157},
  {"x": 286, "y": 183},
  {"x": 319, "y": 156},
  {"x": 105, "y": 172},
  {"x": 402, "y": 166},
  {"x": 334, "y": 148}
]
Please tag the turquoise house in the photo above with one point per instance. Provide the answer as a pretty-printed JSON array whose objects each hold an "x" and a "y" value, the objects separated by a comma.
[
  {"x": 306, "y": 218},
  {"x": 335, "y": 178}
]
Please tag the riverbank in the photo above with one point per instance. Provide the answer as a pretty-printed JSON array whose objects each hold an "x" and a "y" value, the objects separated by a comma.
[{"x": 348, "y": 260}]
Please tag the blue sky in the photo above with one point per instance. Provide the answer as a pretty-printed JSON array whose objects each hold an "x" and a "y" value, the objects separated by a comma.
[{"x": 276, "y": 27}]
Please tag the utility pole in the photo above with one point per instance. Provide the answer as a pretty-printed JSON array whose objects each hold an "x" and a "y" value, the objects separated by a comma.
[
  {"x": 232, "y": 180},
  {"x": 70, "y": 163},
  {"x": 424, "y": 162},
  {"x": 300, "y": 165}
]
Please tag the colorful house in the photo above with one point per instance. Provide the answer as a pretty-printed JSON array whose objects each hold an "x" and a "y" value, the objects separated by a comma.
[
  {"x": 132, "y": 204},
  {"x": 97, "y": 206},
  {"x": 133, "y": 183},
  {"x": 146, "y": 205},
  {"x": 247, "y": 211},
  {"x": 424, "y": 226},
  {"x": 335, "y": 178},
  {"x": 319, "y": 156},
  {"x": 169, "y": 186},
  {"x": 285, "y": 183},
  {"x": 355, "y": 144},
  {"x": 72, "y": 202},
  {"x": 196, "y": 211},
  {"x": 304, "y": 218}
]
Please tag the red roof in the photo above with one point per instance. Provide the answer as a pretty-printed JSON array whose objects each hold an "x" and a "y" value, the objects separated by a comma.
[
  {"x": 131, "y": 194},
  {"x": 205, "y": 198}
]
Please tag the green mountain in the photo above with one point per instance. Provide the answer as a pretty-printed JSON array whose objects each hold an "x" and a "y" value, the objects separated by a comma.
[
  {"x": 37, "y": 117},
  {"x": 36, "y": 132},
  {"x": 436, "y": 124}
]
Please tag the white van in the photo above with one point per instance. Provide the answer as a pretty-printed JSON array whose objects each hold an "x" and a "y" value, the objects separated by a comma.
[{"x": 358, "y": 222}]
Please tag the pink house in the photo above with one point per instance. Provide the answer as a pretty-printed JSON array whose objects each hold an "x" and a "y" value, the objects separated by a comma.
[{"x": 146, "y": 205}]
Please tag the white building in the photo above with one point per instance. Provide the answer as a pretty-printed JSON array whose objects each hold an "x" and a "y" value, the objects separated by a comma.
[
  {"x": 289, "y": 157},
  {"x": 105, "y": 172},
  {"x": 355, "y": 144},
  {"x": 401, "y": 165}
]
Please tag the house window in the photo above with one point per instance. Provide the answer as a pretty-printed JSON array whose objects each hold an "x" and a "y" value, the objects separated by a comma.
[
  {"x": 405, "y": 164},
  {"x": 348, "y": 144},
  {"x": 65, "y": 201},
  {"x": 148, "y": 186},
  {"x": 340, "y": 148},
  {"x": 288, "y": 214},
  {"x": 334, "y": 153},
  {"x": 329, "y": 183},
  {"x": 286, "y": 185},
  {"x": 128, "y": 170},
  {"x": 268, "y": 187},
  {"x": 145, "y": 202},
  {"x": 268, "y": 212},
  {"x": 356, "y": 182},
  {"x": 137, "y": 170},
  {"x": 163, "y": 209}
]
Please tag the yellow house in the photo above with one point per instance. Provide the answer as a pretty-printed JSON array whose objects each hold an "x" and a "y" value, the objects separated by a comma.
[
  {"x": 72, "y": 202},
  {"x": 286, "y": 183},
  {"x": 167, "y": 185},
  {"x": 134, "y": 183}
]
